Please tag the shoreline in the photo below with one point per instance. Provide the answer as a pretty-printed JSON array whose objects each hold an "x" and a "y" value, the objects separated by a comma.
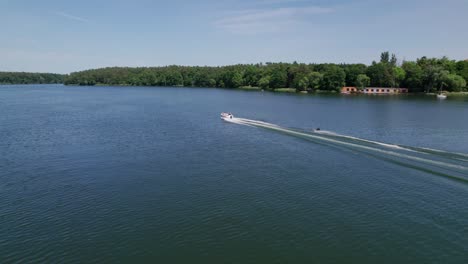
[{"x": 255, "y": 89}]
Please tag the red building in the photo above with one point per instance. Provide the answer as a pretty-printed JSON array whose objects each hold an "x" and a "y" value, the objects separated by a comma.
[
  {"x": 374, "y": 90},
  {"x": 348, "y": 90},
  {"x": 382, "y": 90}
]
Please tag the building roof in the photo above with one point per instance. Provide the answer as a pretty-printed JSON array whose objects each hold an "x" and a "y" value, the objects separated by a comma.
[{"x": 385, "y": 88}]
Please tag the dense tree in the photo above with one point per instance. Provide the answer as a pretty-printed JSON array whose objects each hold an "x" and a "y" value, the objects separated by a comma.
[
  {"x": 175, "y": 78},
  {"x": 393, "y": 60},
  {"x": 432, "y": 77},
  {"x": 462, "y": 69},
  {"x": 264, "y": 82},
  {"x": 237, "y": 79},
  {"x": 298, "y": 76},
  {"x": 303, "y": 84},
  {"x": 378, "y": 74},
  {"x": 352, "y": 71},
  {"x": 384, "y": 73},
  {"x": 278, "y": 76},
  {"x": 30, "y": 78},
  {"x": 315, "y": 79},
  {"x": 453, "y": 82},
  {"x": 442, "y": 78},
  {"x": 362, "y": 81},
  {"x": 333, "y": 78},
  {"x": 399, "y": 76},
  {"x": 385, "y": 57},
  {"x": 414, "y": 75},
  {"x": 251, "y": 75}
]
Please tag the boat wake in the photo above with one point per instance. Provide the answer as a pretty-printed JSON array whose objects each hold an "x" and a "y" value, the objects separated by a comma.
[{"x": 438, "y": 162}]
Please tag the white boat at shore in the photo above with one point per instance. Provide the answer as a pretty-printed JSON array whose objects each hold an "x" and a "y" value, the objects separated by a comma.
[{"x": 441, "y": 96}]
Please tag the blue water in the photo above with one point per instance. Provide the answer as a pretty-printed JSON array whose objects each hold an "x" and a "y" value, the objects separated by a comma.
[{"x": 151, "y": 174}]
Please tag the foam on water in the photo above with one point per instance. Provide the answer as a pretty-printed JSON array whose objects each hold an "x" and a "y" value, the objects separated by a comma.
[
  {"x": 360, "y": 139},
  {"x": 441, "y": 162}
]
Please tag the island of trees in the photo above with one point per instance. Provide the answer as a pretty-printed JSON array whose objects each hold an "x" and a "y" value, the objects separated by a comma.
[{"x": 30, "y": 78}]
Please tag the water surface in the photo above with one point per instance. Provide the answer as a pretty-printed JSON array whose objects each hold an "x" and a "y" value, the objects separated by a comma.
[{"x": 101, "y": 174}]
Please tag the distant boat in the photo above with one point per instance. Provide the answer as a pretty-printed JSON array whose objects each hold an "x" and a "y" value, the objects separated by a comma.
[{"x": 441, "y": 95}]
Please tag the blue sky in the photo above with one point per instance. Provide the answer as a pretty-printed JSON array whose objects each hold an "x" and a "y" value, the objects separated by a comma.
[{"x": 66, "y": 36}]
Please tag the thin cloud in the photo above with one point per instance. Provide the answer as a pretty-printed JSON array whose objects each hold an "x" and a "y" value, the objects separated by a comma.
[
  {"x": 72, "y": 17},
  {"x": 273, "y": 2},
  {"x": 267, "y": 20}
]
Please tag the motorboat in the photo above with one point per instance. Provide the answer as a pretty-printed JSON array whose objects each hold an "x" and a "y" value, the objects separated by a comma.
[{"x": 226, "y": 116}]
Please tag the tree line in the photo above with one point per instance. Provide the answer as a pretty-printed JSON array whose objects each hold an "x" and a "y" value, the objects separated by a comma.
[
  {"x": 423, "y": 75},
  {"x": 30, "y": 78}
]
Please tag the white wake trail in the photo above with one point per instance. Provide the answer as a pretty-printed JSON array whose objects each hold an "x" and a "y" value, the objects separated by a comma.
[
  {"x": 387, "y": 152},
  {"x": 366, "y": 140}
]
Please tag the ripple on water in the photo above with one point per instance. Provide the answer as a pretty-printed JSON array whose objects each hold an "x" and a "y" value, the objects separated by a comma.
[{"x": 106, "y": 174}]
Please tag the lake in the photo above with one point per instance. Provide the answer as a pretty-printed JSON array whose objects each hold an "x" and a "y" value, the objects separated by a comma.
[{"x": 152, "y": 174}]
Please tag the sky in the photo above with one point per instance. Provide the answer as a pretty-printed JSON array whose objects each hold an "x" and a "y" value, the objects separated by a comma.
[{"x": 64, "y": 36}]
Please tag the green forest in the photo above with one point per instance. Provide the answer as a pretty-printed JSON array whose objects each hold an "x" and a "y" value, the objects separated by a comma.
[
  {"x": 422, "y": 75},
  {"x": 30, "y": 78}
]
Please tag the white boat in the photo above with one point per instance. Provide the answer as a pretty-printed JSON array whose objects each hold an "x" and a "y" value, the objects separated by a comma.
[
  {"x": 227, "y": 116},
  {"x": 441, "y": 95}
]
